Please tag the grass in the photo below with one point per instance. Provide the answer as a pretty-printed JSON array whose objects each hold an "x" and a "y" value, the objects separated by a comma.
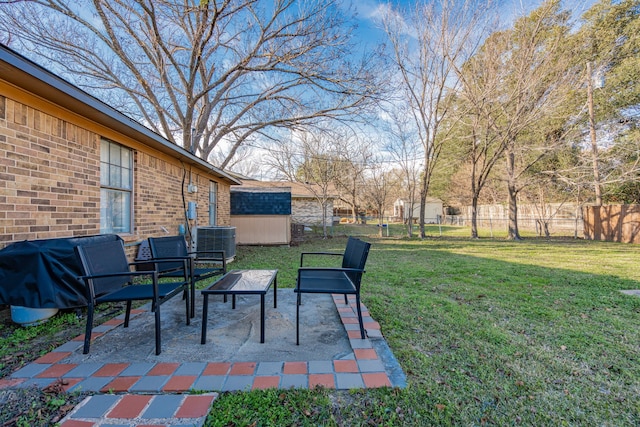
[{"x": 488, "y": 332}]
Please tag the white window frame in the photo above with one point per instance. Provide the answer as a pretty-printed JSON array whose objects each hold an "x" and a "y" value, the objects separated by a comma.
[
  {"x": 213, "y": 203},
  {"x": 116, "y": 188}
]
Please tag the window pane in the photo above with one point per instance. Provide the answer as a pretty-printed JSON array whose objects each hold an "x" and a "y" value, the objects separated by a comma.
[
  {"x": 125, "y": 179},
  {"x": 114, "y": 176},
  {"x": 125, "y": 158},
  {"x": 114, "y": 154},
  {"x": 115, "y": 211},
  {"x": 104, "y": 151},
  {"x": 104, "y": 173}
]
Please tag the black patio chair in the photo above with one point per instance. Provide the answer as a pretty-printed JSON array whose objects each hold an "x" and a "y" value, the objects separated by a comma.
[
  {"x": 327, "y": 280},
  {"x": 176, "y": 247},
  {"x": 109, "y": 278}
]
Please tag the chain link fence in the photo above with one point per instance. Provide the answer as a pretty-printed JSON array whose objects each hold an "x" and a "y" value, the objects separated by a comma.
[{"x": 450, "y": 225}]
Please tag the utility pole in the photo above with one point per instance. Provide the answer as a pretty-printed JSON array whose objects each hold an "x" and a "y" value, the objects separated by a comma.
[{"x": 592, "y": 134}]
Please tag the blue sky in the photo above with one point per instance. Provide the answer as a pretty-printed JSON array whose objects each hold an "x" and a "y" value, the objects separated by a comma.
[{"x": 370, "y": 12}]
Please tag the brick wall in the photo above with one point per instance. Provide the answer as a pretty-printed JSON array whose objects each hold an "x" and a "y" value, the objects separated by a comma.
[
  {"x": 309, "y": 212},
  {"x": 49, "y": 176},
  {"x": 50, "y": 180}
]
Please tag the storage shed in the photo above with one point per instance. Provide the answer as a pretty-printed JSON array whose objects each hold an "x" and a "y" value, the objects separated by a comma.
[{"x": 261, "y": 215}]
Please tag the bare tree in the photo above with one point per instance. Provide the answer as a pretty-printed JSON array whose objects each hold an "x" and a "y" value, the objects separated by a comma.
[
  {"x": 405, "y": 149},
  {"x": 427, "y": 42},
  {"x": 310, "y": 159},
  {"x": 355, "y": 155},
  {"x": 200, "y": 72},
  {"x": 378, "y": 190},
  {"x": 243, "y": 162}
]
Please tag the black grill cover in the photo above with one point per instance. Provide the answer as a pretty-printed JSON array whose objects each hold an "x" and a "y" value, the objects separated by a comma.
[{"x": 44, "y": 273}]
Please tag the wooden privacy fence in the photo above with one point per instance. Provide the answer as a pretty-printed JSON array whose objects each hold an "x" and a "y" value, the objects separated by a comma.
[{"x": 613, "y": 223}]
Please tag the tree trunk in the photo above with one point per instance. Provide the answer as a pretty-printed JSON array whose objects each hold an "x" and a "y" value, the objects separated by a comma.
[
  {"x": 423, "y": 204},
  {"x": 513, "y": 232},
  {"x": 324, "y": 221},
  {"x": 474, "y": 217}
]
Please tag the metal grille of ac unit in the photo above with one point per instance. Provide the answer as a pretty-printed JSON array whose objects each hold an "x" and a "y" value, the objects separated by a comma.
[{"x": 216, "y": 239}]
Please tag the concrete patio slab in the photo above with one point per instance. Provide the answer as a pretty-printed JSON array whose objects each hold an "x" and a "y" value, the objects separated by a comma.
[{"x": 122, "y": 361}]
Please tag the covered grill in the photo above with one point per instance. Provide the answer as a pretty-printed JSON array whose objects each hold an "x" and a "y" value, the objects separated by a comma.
[{"x": 44, "y": 273}]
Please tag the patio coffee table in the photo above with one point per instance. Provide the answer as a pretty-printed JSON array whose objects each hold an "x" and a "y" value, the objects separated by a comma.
[{"x": 238, "y": 282}]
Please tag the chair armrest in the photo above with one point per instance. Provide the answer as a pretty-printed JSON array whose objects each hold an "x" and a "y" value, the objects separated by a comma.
[
  {"x": 185, "y": 260},
  {"x": 339, "y": 269},
  {"x": 199, "y": 254},
  {"x": 308, "y": 278},
  {"x": 222, "y": 258},
  {"x": 317, "y": 253},
  {"x": 120, "y": 274},
  {"x": 167, "y": 259}
]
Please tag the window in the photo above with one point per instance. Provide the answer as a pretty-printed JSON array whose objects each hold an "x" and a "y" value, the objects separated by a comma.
[
  {"x": 116, "y": 184},
  {"x": 213, "y": 201}
]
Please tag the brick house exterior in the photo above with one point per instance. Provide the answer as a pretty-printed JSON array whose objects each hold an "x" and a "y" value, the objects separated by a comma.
[{"x": 50, "y": 164}]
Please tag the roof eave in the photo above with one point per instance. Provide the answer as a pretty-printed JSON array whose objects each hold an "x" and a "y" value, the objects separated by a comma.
[{"x": 23, "y": 73}]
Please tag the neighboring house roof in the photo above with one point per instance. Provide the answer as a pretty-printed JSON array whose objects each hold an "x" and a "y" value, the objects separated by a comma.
[
  {"x": 428, "y": 200},
  {"x": 298, "y": 190},
  {"x": 25, "y": 74}
]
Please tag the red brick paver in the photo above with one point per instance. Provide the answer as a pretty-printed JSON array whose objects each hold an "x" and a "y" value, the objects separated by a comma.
[
  {"x": 76, "y": 423},
  {"x": 325, "y": 380},
  {"x": 120, "y": 384},
  {"x": 261, "y": 383},
  {"x": 217, "y": 369},
  {"x": 130, "y": 406},
  {"x": 376, "y": 379},
  {"x": 94, "y": 335},
  {"x": 6, "y": 383},
  {"x": 180, "y": 383},
  {"x": 163, "y": 369},
  {"x": 111, "y": 370},
  {"x": 114, "y": 322},
  {"x": 345, "y": 366},
  {"x": 53, "y": 357},
  {"x": 195, "y": 406},
  {"x": 243, "y": 368},
  {"x": 295, "y": 368},
  {"x": 365, "y": 353},
  {"x": 57, "y": 370}
]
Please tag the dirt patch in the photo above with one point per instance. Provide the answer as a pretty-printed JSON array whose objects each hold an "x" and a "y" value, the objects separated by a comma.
[{"x": 33, "y": 406}]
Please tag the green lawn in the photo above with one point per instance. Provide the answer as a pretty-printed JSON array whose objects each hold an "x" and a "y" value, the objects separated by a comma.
[{"x": 488, "y": 332}]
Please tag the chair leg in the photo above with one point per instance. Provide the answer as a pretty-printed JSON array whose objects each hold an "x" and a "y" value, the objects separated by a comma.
[
  {"x": 298, "y": 301},
  {"x": 87, "y": 332},
  {"x": 189, "y": 308},
  {"x": 127, "y": 315},
  {"x": 193, "y": 300},
  {"x": 360, "y": 316},
  {"x": 346, "y": 301},
  {"x": 158, "y": 338}
]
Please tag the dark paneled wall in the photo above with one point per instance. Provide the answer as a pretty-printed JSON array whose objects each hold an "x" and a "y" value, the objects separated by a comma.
[{"x": 255, "y": 203}]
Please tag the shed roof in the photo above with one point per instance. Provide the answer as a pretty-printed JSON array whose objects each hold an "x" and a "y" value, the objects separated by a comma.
[
  {"x": 27, "y": 75},
  {"x": 298, "y": 190}
]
